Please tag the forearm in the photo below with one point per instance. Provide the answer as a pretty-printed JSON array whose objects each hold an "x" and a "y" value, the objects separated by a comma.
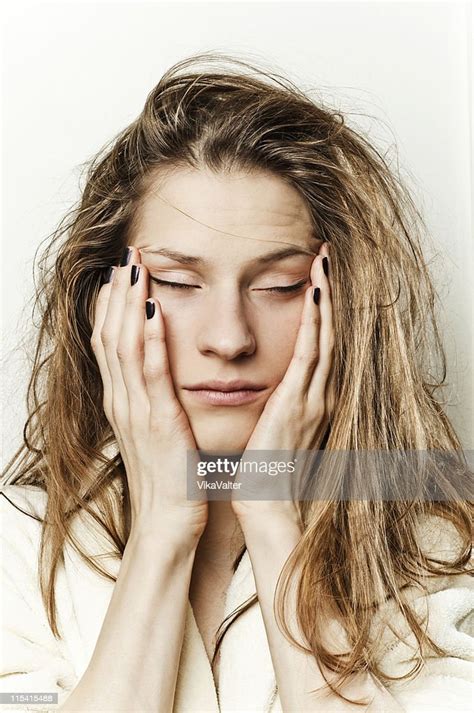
[
  {"x": 135, "y": 662},
  {"x": 269, "y": 543}
]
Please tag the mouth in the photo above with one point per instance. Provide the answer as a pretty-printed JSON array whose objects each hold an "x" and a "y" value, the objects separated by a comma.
[
  {"x": 226, "y": 386},
  {"x": 226, "y": 398},
  {"x": 231, "y": 393}
]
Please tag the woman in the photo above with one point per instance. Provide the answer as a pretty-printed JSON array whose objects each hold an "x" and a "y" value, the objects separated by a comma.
[{"x": 246, "y": 234}]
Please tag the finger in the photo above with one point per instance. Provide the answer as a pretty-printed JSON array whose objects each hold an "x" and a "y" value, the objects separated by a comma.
[
  {"x": 324, "y": 249},
  {"x": 318, "y": 383},
  {"x": 164, "y": 403},
  {"x": 97, "y": 346},
  {"x": 130, "y": 347},
  {"x": 110, "y": 334},
  {"x": 330, "y": 393},
  {"x": 306, "y": 351}
]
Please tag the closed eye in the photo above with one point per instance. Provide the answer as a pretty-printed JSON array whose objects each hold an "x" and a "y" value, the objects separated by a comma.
[
  {"x": 175, "y": 285},
  {"x": 184, "y": 286}
]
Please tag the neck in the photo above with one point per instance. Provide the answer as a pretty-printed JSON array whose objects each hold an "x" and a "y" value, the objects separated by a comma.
[{"x": 222, "y": 538}]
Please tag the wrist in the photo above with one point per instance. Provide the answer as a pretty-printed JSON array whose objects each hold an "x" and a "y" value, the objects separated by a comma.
[
  {"x": 270, "y": 523},
  {"x": 150, "y": 537}
]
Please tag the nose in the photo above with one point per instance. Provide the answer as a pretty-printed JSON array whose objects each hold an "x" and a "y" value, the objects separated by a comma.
[{"x": 225, "y": 329}]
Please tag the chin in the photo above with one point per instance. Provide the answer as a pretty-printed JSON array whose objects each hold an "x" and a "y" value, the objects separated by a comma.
[{"x": 222, "y": 434}]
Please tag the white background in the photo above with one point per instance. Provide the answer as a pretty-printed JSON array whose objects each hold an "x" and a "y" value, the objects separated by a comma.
[{"x": 75, "y": 73}]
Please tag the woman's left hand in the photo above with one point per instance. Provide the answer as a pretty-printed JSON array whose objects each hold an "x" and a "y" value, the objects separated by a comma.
[{"x": 298, "y": 411}]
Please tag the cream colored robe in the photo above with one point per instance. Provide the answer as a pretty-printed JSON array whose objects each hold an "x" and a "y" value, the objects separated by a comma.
[{"x": 34, "y": 661}]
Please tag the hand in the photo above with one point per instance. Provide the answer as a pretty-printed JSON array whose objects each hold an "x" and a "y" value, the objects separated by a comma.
[
  {"x": 298, "y": 411},
  {"x": 149, "y": 423}
]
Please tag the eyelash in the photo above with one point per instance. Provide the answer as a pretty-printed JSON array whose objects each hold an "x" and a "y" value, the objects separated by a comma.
[{"x": 182, "y": 286}]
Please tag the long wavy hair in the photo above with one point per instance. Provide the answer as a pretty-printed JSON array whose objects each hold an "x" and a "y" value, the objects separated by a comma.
[{"x": 389, "y": 360}]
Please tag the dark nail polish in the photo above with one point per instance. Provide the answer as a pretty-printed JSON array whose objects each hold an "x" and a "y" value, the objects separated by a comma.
[
  {"x": 134, "y": 274},
  {"x": 316, "y": 295},
  {"x": 108, "y": 274},
  {"x": 150, "y": 309},
  {"x": 125, "y": 257},
  {"x": 326, "y": 266}
]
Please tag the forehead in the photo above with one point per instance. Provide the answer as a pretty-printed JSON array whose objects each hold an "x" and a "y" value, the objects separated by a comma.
[{"x": 235, "y": 216}]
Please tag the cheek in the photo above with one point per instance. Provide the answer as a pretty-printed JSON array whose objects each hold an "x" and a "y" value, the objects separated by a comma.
[
  {"x": 277, "y": 341},
  {"x": 178, "y": 336}
]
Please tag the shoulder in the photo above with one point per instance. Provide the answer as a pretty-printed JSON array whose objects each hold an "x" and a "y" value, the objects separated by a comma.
[
  {"x": 34, "y": 660},
  {"x": 22, "y": 507},
  {"x": 22, "y": 510},
  {"x": 31, "y": 498},
  {"x": 444, "y": 603}
]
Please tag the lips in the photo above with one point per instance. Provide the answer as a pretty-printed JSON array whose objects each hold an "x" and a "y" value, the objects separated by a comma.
[
  {"x": 226, "y": 386},
  {"x": 237, "y": 397}
]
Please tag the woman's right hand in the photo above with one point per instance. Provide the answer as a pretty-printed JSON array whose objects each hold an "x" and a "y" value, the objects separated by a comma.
[{"x": 152, "y": 430}]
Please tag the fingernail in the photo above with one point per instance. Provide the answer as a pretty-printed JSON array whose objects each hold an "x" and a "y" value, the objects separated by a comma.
[
  {"x": 316, "y": 295},
  {"x": 134, "y": 274},
  {"x": 109, "y": 274},
  {"x": 150, "y": 309},
  {"x": 125, "y": 257},
  {"x": 326, "y": 266}
]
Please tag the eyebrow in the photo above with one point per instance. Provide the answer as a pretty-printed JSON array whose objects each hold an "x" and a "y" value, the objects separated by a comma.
[{"x": 198, "y": 261}]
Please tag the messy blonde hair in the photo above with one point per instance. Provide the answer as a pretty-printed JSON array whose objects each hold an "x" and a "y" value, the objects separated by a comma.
[{"x": 386, "y": 340}]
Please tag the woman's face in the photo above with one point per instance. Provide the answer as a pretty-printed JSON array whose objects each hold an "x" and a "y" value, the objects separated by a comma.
[{"x": 228, "y": 325}]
